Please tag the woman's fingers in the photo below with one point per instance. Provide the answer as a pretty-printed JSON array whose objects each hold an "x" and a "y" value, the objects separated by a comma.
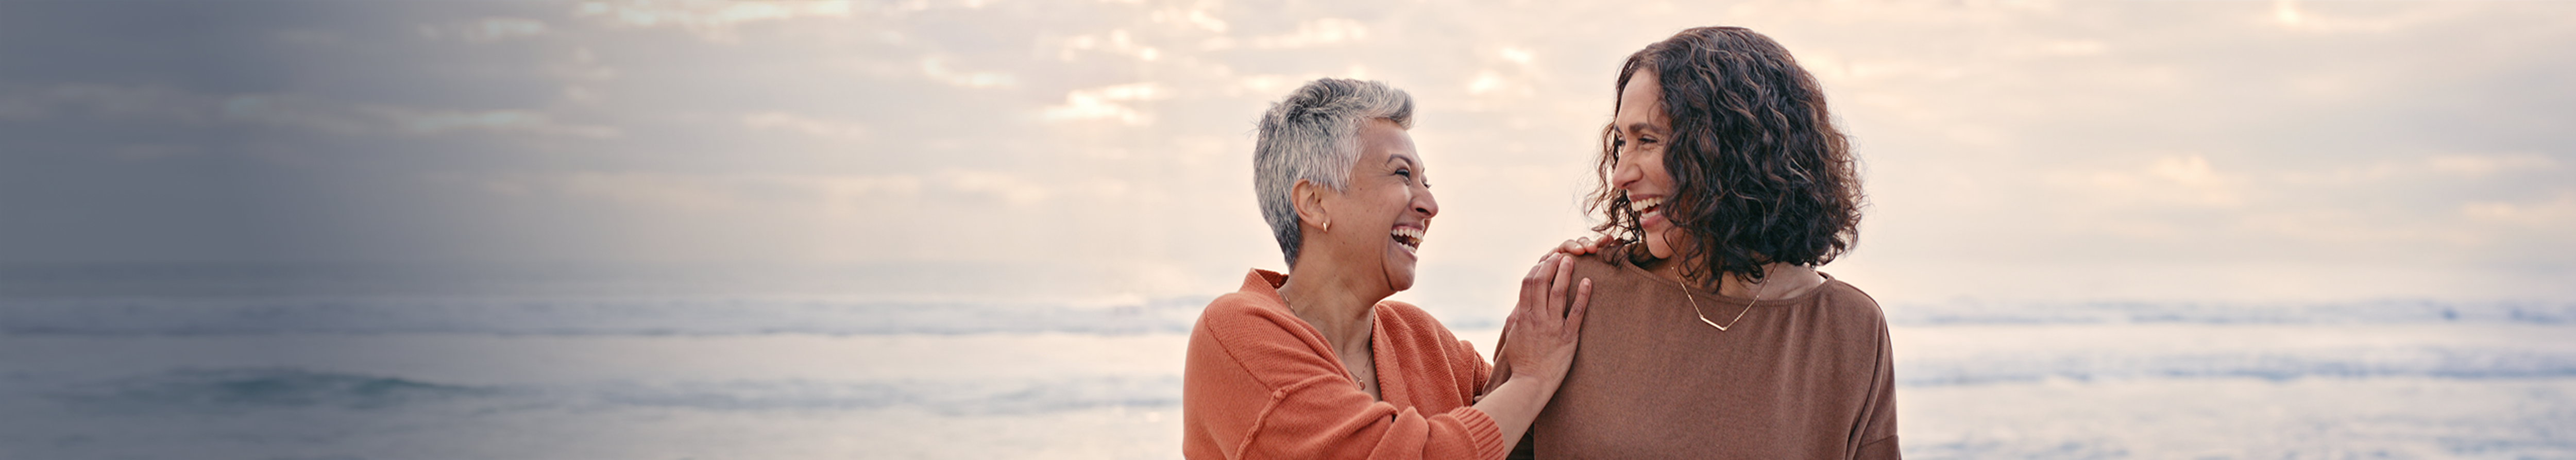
[
  {"x": 1533, "y": 296},
  {"x": 1585, "y": 245},
  {"x": 1564, "y": 278},
  {"x": 1538, "y": 273},
  {"x": 1538, "y": 277},
  {"x": 1582, "y": 303}
]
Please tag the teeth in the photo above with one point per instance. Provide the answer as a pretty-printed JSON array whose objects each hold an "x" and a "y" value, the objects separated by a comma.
[
  {"x": 1641, "y": 206},
  {"x": 1408, "y": 236}
]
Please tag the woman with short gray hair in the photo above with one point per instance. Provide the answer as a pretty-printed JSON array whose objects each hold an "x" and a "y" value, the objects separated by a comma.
[{"x": 1316, "y": 363}]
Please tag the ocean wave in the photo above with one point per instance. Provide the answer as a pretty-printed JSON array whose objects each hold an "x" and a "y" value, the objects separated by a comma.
[
  {"x": 252, "y": 388},
  {"x": 956, "y": 397},
  {"x": 2382, "y": 311},
  {"x": 587, "y": 316},
  {"x": 2432, "y": 362},
  {"x": 852, "y": 316},
  {"x": 234, "y": 390}
]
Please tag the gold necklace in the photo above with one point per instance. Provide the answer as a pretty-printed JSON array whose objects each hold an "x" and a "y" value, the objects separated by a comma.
[{"x": 1739, "y": 316}]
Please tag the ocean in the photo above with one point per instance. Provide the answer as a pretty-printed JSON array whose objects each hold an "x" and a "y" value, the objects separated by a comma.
[{"x": 216, "y": 370}]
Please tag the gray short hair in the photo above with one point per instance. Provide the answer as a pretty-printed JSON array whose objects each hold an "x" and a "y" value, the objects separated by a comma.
[{"x": 1313, "y": 135}]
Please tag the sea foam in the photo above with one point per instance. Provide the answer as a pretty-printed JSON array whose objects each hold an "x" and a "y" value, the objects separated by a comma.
[{"x": 722, "y": 315}]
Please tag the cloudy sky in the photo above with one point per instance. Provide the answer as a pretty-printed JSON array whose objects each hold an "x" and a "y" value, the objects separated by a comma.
[{"x": 2219, "y": 151}]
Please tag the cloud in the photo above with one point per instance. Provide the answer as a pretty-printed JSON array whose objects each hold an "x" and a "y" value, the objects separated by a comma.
[
  {"x": 829, "y": 193},
  {"x": 2483, "y": 165},
  {"x": 811, "y": 126},
  {"x": 2446, "y": 166},
  {"x": 937, "y": 69},
  {"x": 699, "y": 193},
  {"x": 1319, "y": 32},
  {"x": 711, "y": 20},
  {"x": 495, "y": 121},
  {"x": 666, "y": 191},
  {"x": 2557, "y": 213},
  {"x": 2288, "y": 14},
  {"x": 1516, "y": 55},
  {"x": 486, "y": 30},
  {"x": 2184, "y": 180},
  {"x": 290, "y": 111},
  {"x": 1009, "y": 188},
  {"x": 1103, "y": 103},
  {"x": 1197, "y": 15},
  {"x": 1992, "y": 132},
  {"x": 1486, "y": 82},
  {"x": 27, "y": 102},
  {"x": 318, "y": 115},
  {"x": 1117, "y": 42}
]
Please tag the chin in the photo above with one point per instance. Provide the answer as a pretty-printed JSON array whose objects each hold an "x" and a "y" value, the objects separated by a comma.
[{"x": 1399, "y": 279}]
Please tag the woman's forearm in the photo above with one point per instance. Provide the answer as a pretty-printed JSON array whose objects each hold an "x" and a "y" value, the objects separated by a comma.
[
  {"x": 1537, "y": 345},
  {"x": 1515, "y": 405}
]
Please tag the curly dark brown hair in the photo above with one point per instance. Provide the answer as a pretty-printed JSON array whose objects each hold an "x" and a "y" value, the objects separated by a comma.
[{"x": 1762, "y": 174}]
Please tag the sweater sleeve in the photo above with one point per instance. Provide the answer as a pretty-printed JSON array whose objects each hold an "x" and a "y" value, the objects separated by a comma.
[
  {"x": 1253, "y": 390},
  {"x": 1875, "y": 433},
  {"x": 1480, "y": 374}
]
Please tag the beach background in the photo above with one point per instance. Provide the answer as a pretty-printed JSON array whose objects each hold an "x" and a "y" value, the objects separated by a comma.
[{"x": 286, "y": 229}]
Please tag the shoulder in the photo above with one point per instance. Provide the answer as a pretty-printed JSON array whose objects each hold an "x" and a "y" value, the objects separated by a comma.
[
  {"x": 1616, "y": 283},
  {"x": 1240, "y": 316},
  {"x": 1259, "y": 336},
  {"x": 1607, "y": 264},
  {"x": 1404, "y": 319},
  {"x": 1602, "y": 261},
  {"x": 1843, "y": 299},
  {"x": 1847, "y": 312},
  {"x": 1234, "y": 304}
]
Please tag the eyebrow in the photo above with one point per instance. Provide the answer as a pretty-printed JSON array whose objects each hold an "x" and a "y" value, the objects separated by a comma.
[
  {"x": 1419, "y": 173},
  {"x": 1408, "y": 159},
  {"x": 1642, "y": 126},
  {"x": 1418, "y": 170}
]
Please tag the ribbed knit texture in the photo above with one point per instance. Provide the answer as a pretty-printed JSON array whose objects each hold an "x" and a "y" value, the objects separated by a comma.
[
  {"x": 1262, "y": 384},
  {"x": 1807, "y": 377}
]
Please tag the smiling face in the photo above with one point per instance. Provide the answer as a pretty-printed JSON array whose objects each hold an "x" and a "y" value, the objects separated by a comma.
[
  {"x": 1638, "y": 136},
  {"x": 1379, "y": 218}
]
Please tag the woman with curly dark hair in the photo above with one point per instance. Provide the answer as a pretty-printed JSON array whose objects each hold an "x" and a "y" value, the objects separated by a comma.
[{"x": 1711, "y": 334}]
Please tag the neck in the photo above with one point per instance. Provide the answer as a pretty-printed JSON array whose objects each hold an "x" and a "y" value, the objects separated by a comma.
[
  {"x": 1334, "y": 300},
  {"x": 1779, "y": 281}
]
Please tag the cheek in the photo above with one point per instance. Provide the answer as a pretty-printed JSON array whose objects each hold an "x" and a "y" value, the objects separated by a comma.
[{"x": 1655, "y": 172}]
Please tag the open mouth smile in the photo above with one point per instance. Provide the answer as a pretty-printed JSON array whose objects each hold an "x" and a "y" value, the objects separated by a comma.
[
  {"x": 1408, "y": 237},
  {"x": 1646, "y": 206}
]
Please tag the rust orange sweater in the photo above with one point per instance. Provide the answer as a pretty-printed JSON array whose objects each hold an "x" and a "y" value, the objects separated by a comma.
[{"x": 1261, "y": 383}]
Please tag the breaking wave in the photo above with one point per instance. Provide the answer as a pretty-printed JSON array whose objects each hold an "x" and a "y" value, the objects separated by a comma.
[
  {"x": 245, "y": 389},
  {"x": 584, "y": 316},
  {"x": 2432, "y": 362},
  {"x": 846, "y": 316}
]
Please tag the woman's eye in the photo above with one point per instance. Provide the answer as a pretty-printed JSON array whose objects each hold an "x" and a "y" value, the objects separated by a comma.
[{"x": 1407, "y": 173}]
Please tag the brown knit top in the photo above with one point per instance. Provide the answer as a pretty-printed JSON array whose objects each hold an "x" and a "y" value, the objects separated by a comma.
[{"x": 1809, "y": 377}]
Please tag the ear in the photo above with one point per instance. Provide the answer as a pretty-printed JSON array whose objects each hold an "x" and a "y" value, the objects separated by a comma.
[{"x": 1309, "y": 199}]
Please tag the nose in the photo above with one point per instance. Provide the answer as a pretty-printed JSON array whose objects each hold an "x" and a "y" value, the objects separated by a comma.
[
  {"x": 1426, "y": 205},
  {"x": 1624, "y": 172}
]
